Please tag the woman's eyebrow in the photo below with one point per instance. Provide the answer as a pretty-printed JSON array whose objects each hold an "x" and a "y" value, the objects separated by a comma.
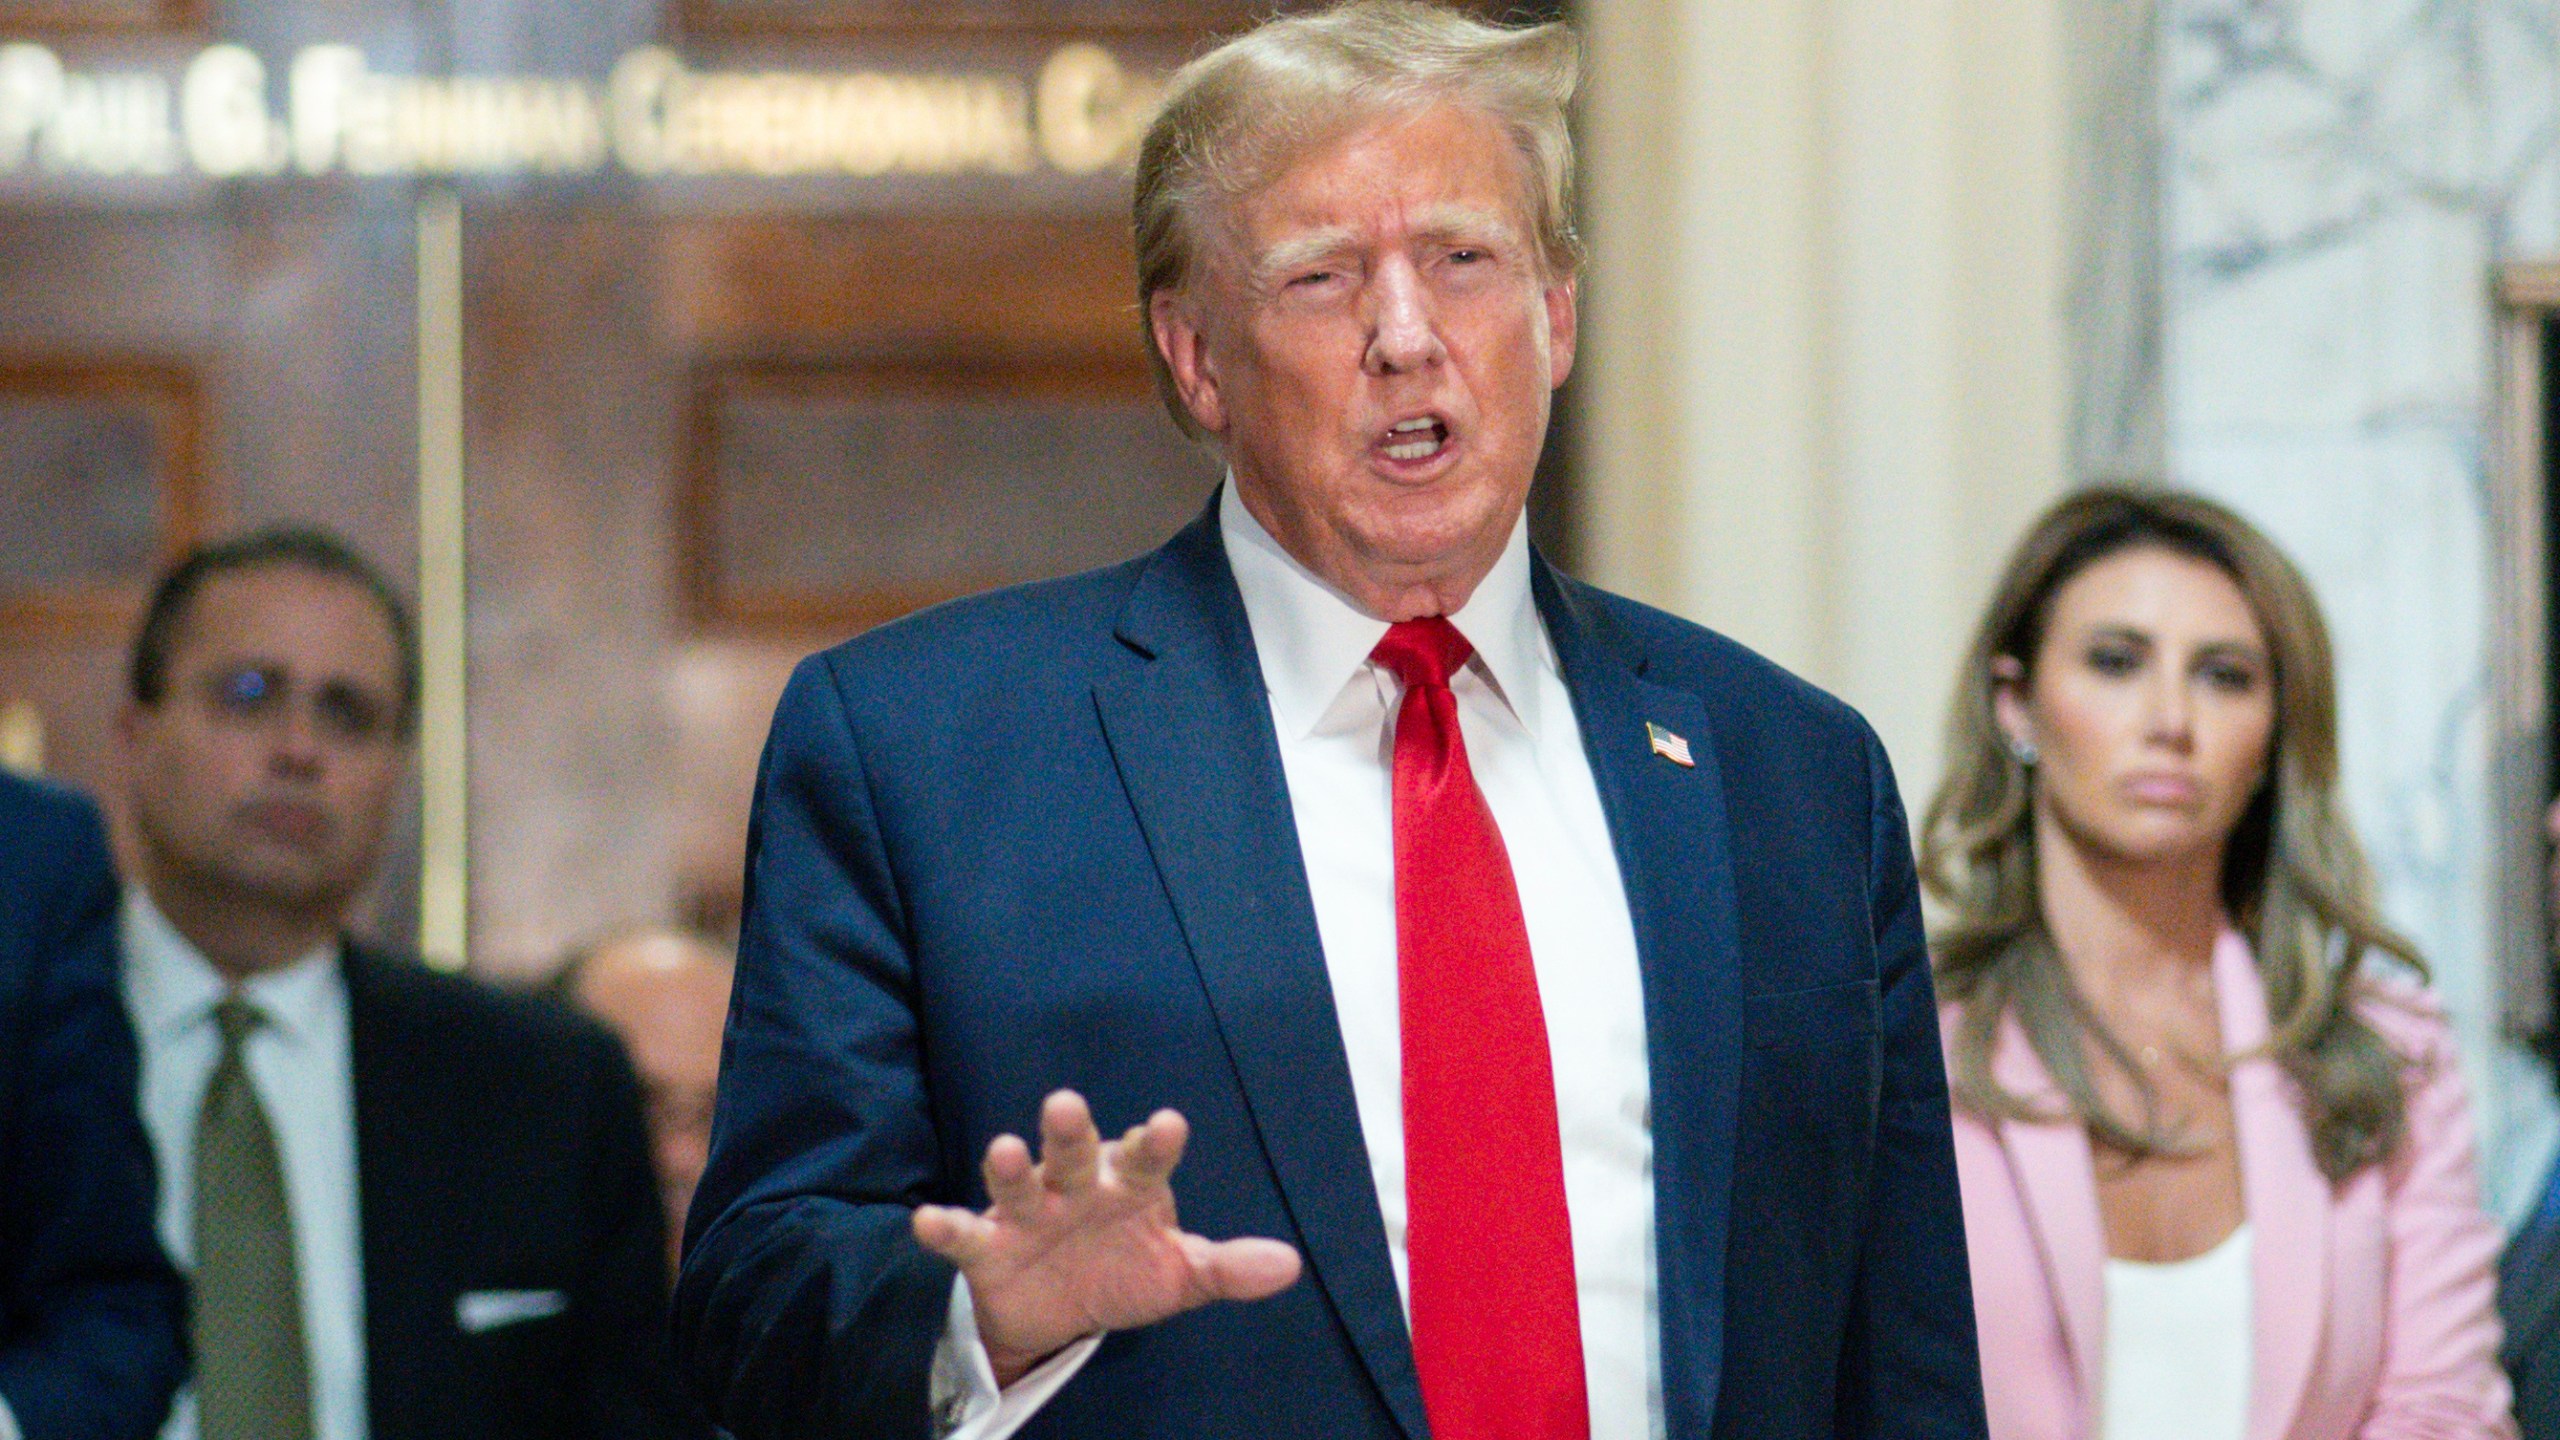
[{"x": 2243, "y": 649}]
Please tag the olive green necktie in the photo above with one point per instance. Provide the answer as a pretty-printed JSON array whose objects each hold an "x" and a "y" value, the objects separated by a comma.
[{"x": 253, "y": 1378}]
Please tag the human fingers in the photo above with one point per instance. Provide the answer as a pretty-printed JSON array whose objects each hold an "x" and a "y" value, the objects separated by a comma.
[
  {"x": 1069, "y": 1145},
  {"x": 959, "y": 1236},
  {"x": 1013, "y": 1182},
  {"x": 1246, "y": 1269},
  {"x": 1148, "y": 1154}
]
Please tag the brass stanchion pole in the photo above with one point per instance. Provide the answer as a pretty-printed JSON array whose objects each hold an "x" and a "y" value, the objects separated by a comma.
[{"x": 444, "y": 761}]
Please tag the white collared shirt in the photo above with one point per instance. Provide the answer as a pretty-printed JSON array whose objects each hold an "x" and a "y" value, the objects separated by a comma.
[
  {"x": 299, "y": 1063},
  {"x": 1335, "y": 714}
]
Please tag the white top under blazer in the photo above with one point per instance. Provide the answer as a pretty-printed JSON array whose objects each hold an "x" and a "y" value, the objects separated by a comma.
[{"x": 2177, "y": 1347}]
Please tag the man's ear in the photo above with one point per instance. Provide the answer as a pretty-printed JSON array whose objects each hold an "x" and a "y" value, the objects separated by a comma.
[
  {"x": 1186, "y": 355},
  {"x": 1564, "y": 328}
]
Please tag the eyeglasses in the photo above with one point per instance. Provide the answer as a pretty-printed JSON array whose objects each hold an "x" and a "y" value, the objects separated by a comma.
[{"x": 260, "y": 697}]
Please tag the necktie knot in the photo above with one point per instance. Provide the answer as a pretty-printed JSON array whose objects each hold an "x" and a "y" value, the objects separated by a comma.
[
  {"x": 237, "y": 1019},
  {"x": 1423, "y": 652}
]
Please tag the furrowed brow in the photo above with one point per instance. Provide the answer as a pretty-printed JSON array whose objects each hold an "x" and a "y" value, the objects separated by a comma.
[
  {"x": 1445, "y": 224},
  {"x": 1297, "y": 253}
]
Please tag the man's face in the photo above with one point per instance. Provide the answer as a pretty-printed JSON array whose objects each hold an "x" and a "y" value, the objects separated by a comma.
[
  {"x": 667, "y": 996},
  {"x": 265, "y": 773},
  {"x": 1375, "y": 339}
]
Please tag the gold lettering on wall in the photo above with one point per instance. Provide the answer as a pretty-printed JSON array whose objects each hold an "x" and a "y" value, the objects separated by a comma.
[
  {"x": 668, "y": 119},
  {"x": 222, "y": 105},
  {"x": 112, "y": 123},
  {"x": 653, "y": 115},
  {"x": 22, "y": 738},
  {"x": 1092, "y": 112},
  {"x": 345, "y": 117}
]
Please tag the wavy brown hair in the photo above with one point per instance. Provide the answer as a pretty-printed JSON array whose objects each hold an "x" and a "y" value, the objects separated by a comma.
[{"x": 2293, "y": 877}]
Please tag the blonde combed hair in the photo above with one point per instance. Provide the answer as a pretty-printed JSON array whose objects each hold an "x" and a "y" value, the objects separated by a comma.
[
  {"x": 1233, "y": 119},
  {"x": 2293, "y": 877}
]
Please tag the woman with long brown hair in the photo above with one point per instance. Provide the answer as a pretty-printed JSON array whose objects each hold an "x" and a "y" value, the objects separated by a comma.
[{"x": 2215, "y": 1151}]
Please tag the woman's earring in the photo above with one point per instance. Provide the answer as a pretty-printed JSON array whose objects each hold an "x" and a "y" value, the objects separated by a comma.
[{"x": 2022, "y": 750}]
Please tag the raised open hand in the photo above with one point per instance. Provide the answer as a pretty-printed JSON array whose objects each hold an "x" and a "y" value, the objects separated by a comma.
[{"x": 1085, "y": 1239}]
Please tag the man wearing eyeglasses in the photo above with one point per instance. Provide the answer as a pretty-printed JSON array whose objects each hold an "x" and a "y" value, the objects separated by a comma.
[{"x": 412, "y": 1207}]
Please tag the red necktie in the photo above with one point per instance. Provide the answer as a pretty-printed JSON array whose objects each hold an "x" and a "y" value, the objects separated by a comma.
[{"x": 1497, "y": 1332}]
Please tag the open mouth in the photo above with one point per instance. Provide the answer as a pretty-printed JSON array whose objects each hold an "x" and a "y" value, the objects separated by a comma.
[{"x": 1417, "y": 439}]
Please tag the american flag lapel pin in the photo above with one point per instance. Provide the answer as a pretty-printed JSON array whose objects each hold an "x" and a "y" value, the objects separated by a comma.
[{"x": 1669, "y": 746}]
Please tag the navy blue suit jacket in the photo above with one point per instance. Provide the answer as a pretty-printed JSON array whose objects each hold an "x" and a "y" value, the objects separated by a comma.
[
  {"x": 92, "y": 1317},
  {"x": 1041, "y": 838}
]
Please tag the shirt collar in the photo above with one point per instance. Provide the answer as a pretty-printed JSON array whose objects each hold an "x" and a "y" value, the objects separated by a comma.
[
  {"x": 170, "y": 986},
  {"x": 1314, "y": 641}
]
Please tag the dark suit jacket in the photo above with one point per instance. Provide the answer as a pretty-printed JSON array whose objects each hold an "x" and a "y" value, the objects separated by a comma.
[
  {"x": 1041, "y": 838},
  {"x": 92, "y": 1318},
  {"x": 500, "y": 1147},
  {"x": 2529, "y": 1307}
]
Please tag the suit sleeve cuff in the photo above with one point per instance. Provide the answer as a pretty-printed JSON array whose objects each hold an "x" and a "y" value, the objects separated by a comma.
[{"x": 967, "y": 1403}]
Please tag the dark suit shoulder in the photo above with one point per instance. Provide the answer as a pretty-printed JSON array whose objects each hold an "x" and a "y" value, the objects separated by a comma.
[
  {"x": 45, "y": 828},
  {"x": 1794, "y": 755},
  {"x": 91, "y": 1315},
  {"x": 998, "y": 630},
  {"x": 1729, "y": 676},
  {"x": 468, "y": 1019},
  {"x": 55, "y": 872},
  {"x": 1017, "y": 662}
]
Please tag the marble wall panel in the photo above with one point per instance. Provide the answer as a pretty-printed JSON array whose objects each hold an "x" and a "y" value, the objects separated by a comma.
[
  {"x": 2113, "y": 319},
  {"x": 2344, "y": 176}
]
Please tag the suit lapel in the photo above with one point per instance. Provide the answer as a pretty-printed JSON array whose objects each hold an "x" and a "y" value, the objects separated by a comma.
[
  {"x": 2285, "y": 1195},
  {"x": 1191, "y": 733},
  {"x": 2056, "y": 1177},
  {"x": 394, "y": 1183},
  {"x": 1669, "y": 826}
]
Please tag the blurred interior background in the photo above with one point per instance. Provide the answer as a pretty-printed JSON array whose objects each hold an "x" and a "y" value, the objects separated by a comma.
[{"x": 655, "y": 343}]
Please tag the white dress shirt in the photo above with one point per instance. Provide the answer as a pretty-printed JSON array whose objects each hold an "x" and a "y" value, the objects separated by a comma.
[
  {"x": 299, "y": 1064},
  {"x": 1335, "y": 714}
]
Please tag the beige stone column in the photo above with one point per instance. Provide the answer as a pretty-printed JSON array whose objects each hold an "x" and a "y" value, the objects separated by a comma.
[{"x": 1828, "y": 375}]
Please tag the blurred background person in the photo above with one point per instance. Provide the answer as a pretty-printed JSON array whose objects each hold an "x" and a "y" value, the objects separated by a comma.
[
  {"x": 92, "y": 1316},
  {"x": 2529, "y": 1271},
  {"x": 413, "y": 1207},
  {"x": 666, "y": 993},
  {"x": 2217, "y": 1166}
]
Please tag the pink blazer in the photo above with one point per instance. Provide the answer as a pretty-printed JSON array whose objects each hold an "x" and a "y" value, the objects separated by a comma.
[{"x": 2374, "y": 1302}]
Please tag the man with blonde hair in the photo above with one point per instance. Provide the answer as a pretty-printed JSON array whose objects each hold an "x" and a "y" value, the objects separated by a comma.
[{"x": 1510, "y": 1001}]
